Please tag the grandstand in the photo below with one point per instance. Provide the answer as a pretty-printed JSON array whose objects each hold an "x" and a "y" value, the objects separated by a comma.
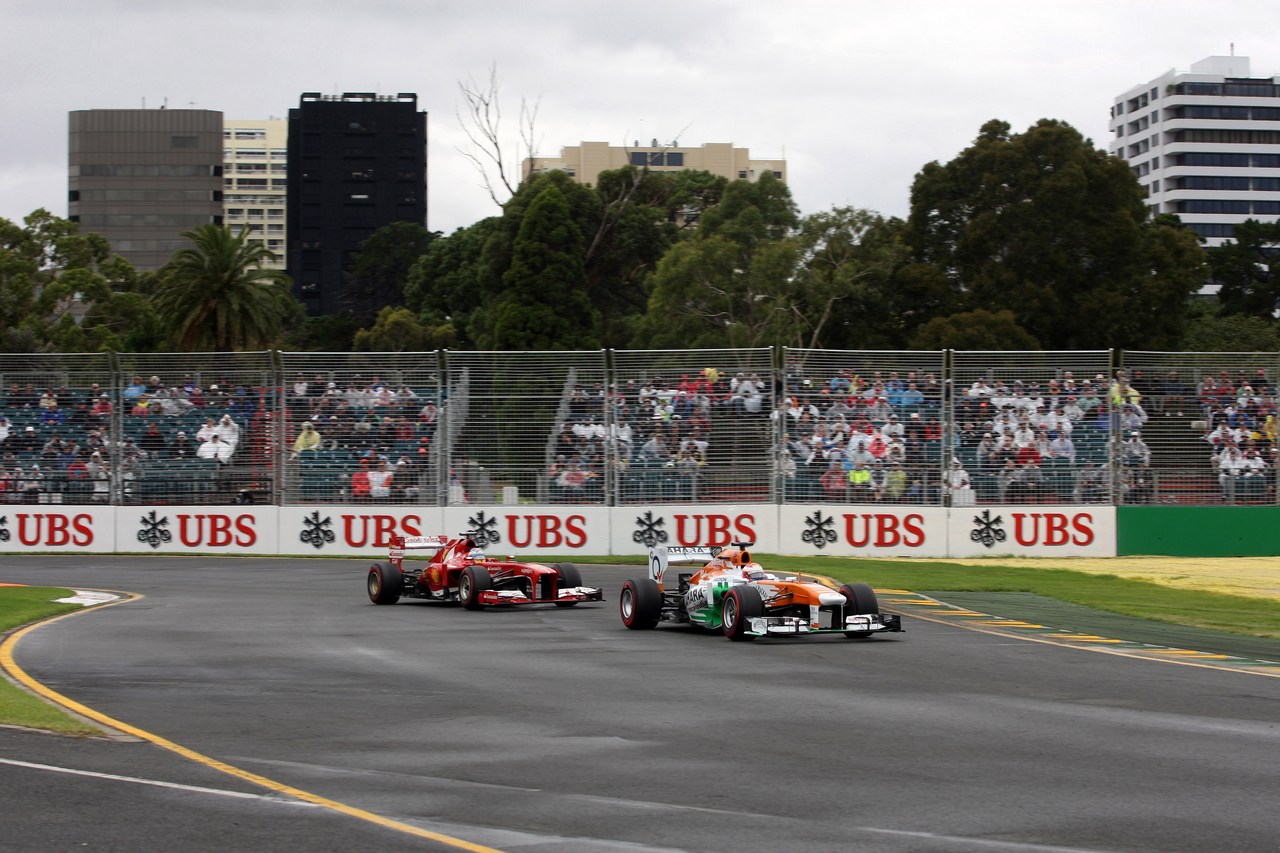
[{"x": 641, "y": 427}]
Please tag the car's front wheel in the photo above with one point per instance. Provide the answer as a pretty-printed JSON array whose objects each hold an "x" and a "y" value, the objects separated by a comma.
[
  {"x": 473, "y": 581},
  {"x": 569, "y": 576},
  {"x": 860, "y": 600},
  {"x": 385, "y": 583},
  {"x": 739, "y": 606}
]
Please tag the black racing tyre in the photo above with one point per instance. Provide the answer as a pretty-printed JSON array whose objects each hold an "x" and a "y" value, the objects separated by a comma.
[
  {"x": 860, "y": 599},
  {"x": 640, "y": 603},
  {"x": 739, "y": 606},
  {"x": 569, "y": 576},
  {"x": 473, "y": 581},
  {"x": 384, "y": 584}
]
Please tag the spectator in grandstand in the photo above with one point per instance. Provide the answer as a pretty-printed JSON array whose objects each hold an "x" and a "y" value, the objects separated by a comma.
[
  {"x": 209, "y": 428},
  {"x": 308, "y": 440},
  {"x": 100, "y": 471},
  {"x": 26, "y": 442},
  {"x": 52, "y": 416},
  {"x": 1223, "y": 436},
  {"x": 153, "y": 441},
  {"x": 878, "y": 410},
  {"x": 30, "y": 483},
  {"x": 1132, "y": 417},
  {"x": 101, "y": 408},
  {"x": 1071, "y": 410},
  {"x": 1252, "y": 481},
  {"x": 1137, "y": 487},
  {"x": 216, "y": 396},
  {"x": 214, "y": 449},
  {"x": 1136, "y": 451},
  {"x": 6, "y": 430},
  {"x": 360, "y": 482},
  {"x": 229, "y": 432},
  {"x": 861, "y": 485},
  {"x": 655, "y": 451},
  {"x": 1062, "y": 447},
  {"x": 892, "y": 428},
  {"x": 956, "y": 479},
  {"x": 170, "y": 402},
  {"x": 181, "y": 447},
  {"x": 134, "y": 390},
  {"x": 1174, "y": 393},
  {"x": 747, "y": 394},
  {"x": 1089, "y": 402},
  {"x": 912, "y": 400},
  {"x": 380, "y": 479},
  {"x": 1230, "y": 464},
  {"x": 895, "y": 483}
]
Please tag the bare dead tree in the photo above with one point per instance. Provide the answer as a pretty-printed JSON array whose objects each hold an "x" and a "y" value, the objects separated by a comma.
[{"x": 482, "y": 124}]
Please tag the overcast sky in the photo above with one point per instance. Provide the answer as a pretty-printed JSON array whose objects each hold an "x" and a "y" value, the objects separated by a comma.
[{"x": 856, "y": 95}]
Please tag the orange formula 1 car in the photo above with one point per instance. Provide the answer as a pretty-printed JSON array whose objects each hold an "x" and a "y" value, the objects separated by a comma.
[
  {"x": 732, "y": 593},
  {"x": 460, "y": 572}
]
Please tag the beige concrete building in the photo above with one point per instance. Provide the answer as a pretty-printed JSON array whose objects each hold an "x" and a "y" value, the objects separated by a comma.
[
  {"x": 255, "y": 163},
  {"x": 586, "y": 160}
]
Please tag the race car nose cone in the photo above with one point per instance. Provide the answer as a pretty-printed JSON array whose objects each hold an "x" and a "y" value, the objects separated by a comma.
[{"x": 829, "y": 598}]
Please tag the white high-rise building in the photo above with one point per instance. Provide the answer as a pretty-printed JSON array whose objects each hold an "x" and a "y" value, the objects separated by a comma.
[
  {"x": 1205, "y": 144},
  {"x": 255, "y": 155}
]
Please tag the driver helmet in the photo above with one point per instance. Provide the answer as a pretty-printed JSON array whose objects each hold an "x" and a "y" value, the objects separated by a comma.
[{"x": 476, "y": 554}]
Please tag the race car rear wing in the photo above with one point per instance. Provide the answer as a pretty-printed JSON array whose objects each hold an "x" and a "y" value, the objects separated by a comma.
[
  {"x": 661, "y": 556},
  {"x": 410, "y": 543}
]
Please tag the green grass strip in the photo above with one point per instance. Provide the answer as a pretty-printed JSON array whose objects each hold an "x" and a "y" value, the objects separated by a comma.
[
  {"x": 1258, "y": 617},
  {"x": 21, "y": 605}
]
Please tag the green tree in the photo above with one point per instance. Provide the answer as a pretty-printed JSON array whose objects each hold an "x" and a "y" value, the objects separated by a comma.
[
  {"x": 399, "y": 330},
  {"x": 380, "y": 270},
  {"x": 732, "y": 282},
  {"x": 974, "y": 330},
  {"x": 64, "y": 291},
  {"x": 1248, "y": 268},
  {"x": 544, "y": 303},
  {"x": 1047, "y": 226},
  {"x": 1209, "y": 330},
  {"x": 216, "y": 295},
  {"x": 447, "y": 285}
]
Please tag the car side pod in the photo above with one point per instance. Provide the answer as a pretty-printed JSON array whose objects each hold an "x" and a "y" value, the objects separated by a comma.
[{"x": 640, "y": 603}]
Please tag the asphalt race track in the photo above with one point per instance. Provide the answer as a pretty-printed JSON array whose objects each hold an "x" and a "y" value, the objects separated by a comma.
[{"x": 548, "y": 729}]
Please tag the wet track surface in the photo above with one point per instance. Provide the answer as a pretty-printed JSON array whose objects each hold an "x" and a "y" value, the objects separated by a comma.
[{"x": 548, "y": 729}]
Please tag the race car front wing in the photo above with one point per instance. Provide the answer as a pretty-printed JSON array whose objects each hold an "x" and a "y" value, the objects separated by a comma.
[
  {"x": 516, "y": 596},
  {"x": 764, "y": 626}
]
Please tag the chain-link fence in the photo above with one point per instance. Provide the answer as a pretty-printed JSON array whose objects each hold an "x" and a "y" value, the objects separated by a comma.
[
  {"x": 527, "y": 426},
  {"x": 56, "y": 428},
  {"x": 693, "y": 426},
  {"x": 196, "y": 428},
  {"x": 637, "y": 427},
  {"x": 361, "y": 428},
  {"x": 1208, "y": 427},
  {"x": 1031, "y": 427},
  {"x": 861, "y": 427}
]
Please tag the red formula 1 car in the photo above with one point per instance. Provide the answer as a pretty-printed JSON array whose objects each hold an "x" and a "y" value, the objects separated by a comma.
[{"x": 459, "y": 571}]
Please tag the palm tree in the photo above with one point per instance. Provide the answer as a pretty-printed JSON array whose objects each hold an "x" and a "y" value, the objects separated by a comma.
[{"x": 215, "y": 295}]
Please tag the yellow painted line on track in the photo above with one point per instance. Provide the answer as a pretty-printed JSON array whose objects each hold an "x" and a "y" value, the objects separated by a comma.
[
  {"x": 11, "y": 667},
  {"x": 1007, "y": 623},
  {"x": 1093, "y": 641}
]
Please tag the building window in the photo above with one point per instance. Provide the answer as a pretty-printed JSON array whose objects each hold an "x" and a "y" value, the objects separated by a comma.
[
  {"x": 742, "y": 174},
  {"x": 675, "y": 158}
]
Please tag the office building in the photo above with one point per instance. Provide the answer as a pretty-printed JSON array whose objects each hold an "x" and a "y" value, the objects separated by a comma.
[
  {"x": 357, "y": 162},
  {"x": 142, "y": 177},
  {"x": 586, "y": 160},
  {"x": 255, "y": 177},
  {"x": 1205, "y": 144}
]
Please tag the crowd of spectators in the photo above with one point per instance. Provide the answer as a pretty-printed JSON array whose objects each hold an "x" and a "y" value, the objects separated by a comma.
[
  {"x": 60, "y": 444},
  {"x": 359, "y": 438},
  {"x": 1238, "y": 413}
]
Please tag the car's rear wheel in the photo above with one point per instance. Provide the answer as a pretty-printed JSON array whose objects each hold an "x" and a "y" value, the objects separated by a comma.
[
  {"x": 569, "y": 576},
  {"x": 385, "y": 583},
  {"x": 473, "y": 581},
  {"x": 640, "y": 603},
  {"x": 739, "y": 606},
  {"x": 860, "y": 600}
]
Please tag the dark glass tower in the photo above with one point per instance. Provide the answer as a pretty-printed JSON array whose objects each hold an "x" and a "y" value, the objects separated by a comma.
[{"x": 357, "y": 162}]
